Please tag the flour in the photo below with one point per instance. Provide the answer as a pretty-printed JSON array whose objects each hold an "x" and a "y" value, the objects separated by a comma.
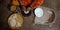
[
  {"x": 26, "y": 12},
  {"x": 13, "y": 21},
  {"x": 38, "y": 12}
]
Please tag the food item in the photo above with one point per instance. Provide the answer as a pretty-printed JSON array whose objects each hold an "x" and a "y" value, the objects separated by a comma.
[
  {"x": 38, "y": 12},
  {"x": 15, "y": 21},
  {"x": 26, "y": 12},
  {"x": 13, "y": 8}
]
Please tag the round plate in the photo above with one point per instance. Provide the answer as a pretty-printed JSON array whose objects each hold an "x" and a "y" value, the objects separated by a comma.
[
  {"x": 15, "y": 20},
  {"x": 44, "y": 16}
]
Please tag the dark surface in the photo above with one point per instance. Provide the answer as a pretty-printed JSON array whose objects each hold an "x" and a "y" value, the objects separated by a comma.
[{"x": 4, "y": 13}]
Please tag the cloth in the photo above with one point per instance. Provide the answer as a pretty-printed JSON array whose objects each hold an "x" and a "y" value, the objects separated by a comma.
[
  {"x": 32, "y": 3},
  {"x": 15, "y": 2},
  {"x": 37, "y": 3}
]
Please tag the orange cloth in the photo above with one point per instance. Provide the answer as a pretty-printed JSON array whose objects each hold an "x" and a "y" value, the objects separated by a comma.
[
  {"x": 25, "y": 2},
  {"x": 34, "y": 4},
  {"x": 15, "y": 2},
  {"x": 37, "y": 3}
]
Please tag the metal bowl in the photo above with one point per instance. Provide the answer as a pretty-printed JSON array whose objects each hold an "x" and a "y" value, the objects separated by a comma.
[{"x": 47, "y": 17}]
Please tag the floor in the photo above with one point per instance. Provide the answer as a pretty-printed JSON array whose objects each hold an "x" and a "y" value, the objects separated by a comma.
[{"x": 53, "y": 4}]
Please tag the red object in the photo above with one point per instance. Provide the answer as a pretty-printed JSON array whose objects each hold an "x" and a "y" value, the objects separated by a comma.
[
  {"x": 25, "y": 2},
  {"x": 37, "y": 3},
  {"x": 34, "y": 4}
]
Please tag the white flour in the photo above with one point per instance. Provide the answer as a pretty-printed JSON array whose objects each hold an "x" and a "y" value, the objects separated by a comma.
[
  {"x": 26, "y": 12},
  {"x": 13, "y": 21}
]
